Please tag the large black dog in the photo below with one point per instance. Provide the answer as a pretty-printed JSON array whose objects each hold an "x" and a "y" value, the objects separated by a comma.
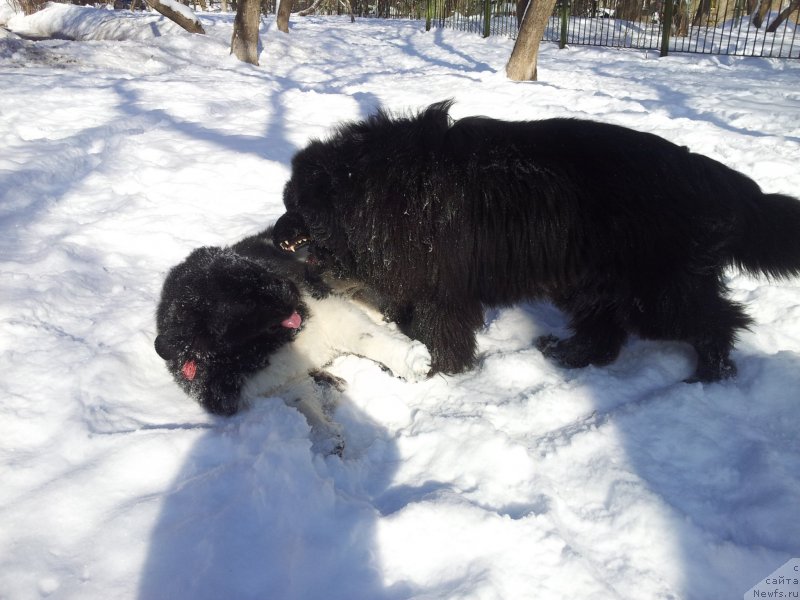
[{"x": 624, "y": 231}]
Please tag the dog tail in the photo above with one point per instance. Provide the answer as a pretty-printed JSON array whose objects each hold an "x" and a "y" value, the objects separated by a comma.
[{"x": 770, "y": 237}]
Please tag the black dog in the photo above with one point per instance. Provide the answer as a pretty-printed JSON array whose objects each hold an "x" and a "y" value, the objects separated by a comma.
[
  {"x": 624, "y": 231},
  {"x": 245, "y": 319}
]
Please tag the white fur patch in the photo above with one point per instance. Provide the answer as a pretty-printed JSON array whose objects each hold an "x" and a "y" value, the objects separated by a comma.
[{"x": 335, "y": 326}]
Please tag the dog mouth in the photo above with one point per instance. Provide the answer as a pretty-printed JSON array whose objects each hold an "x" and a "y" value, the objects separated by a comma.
[{"x": 294, "y": 244}]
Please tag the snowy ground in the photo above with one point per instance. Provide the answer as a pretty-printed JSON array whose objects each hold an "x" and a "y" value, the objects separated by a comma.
[{"x": 518, "y": 480}]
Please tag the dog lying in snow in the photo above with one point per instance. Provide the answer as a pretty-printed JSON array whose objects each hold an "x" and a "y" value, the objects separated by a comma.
[{"x": 247, "y": 320}]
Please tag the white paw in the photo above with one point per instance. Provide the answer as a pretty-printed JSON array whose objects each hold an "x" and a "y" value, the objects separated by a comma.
[{"x": 417, "y": 362}]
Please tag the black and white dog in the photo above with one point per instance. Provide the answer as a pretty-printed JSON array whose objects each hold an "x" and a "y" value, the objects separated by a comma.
[
  {"x": 247, "y": 320},
  {"x": 624, "y": 231}
]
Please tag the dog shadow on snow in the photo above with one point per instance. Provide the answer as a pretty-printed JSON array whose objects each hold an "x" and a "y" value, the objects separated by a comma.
[
  {"x": 705, "y": 472},
  {"x": 255, "y": 513}
]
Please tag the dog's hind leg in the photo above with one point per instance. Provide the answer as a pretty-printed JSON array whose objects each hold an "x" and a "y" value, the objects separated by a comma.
[
  {"x": 693, "y": 309},
  {"x": 711, "y": 330},
  {"x": 316, "y": 398},
  {"x": 597, "y": 340}
]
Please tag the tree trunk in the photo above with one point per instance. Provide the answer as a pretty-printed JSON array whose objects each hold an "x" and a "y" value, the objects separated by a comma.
[
  {"x": 348, "y": 6},
  {"x": 628, "y": 10},
  {"x": 180, "y": 14},
  {"x": 521, "y": 6},
  {"x": 282, "y": 16},
  {"x": 773, "y": 27},
  {"x": 522, "y": 63},
  {"x": 758, "y": 17},
  {"x": 245, "y": 40},
  {"x": 681, "y": 19},
  {"x": 703, "y": 13}
]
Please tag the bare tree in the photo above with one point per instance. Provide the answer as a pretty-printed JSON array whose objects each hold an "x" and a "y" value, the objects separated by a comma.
[
  {"x": 784, "y": 14},
  {"x": 311, "y": 9},
  {"x": 629, "y": 10},
  {"x": 703, "y": 13},
  {"x": 245, "y": 40},
  {"x": 680, "y": 19},
  {"x": 761, "y": 13},
  {"x": 522, "y": 64},
  {"x": 521, "y": 6},
  {"x": 348, "y": 6},
  {"x": 282, "y": 16},
  {"x": 180, "y": 14}
]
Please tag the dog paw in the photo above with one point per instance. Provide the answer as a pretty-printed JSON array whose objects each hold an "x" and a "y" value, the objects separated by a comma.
[
  {"x": 325, "y": 379},
  {"x": 711, "y": 371},
  {"x": 417, "y": 362},
  {"x": 565, "y": 353},
  {"x": 331, "y": 444}
]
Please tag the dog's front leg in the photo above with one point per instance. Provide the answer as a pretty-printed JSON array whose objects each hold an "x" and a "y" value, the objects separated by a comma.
[
  {"x": 351, "y": 330},
  {"x": 342, "y": 326},
  {"x": 448, "y": 330},
  {"x": 404, "y": 357}
]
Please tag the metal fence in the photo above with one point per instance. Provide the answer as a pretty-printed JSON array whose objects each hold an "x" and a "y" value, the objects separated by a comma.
[{"x": 768, "y": 28}]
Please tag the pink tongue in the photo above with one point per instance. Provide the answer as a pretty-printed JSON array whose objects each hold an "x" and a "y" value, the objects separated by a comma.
[
  {"x": 189, "y": 369},
  {"x": 292, "y": 322}
]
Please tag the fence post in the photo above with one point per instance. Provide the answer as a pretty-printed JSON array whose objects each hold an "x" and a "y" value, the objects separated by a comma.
[
  {"x": 666, "y": 26},
  {"x": 487, "y": 18},
  {"x": 564, "y": 6}
]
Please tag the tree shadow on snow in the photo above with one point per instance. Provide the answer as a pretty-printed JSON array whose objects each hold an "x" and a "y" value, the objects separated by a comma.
[
  {"x": 678, "y": 105},
  {"x": 271, "y": 145}
]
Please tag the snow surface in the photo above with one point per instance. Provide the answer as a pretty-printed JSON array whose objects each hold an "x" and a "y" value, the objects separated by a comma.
[{"x": 517, "y": 480}]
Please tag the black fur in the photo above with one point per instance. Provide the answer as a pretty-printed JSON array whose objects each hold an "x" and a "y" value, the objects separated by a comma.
[
  {"x": 625, "y": 231},
  {"x": 220, "y": 313}
]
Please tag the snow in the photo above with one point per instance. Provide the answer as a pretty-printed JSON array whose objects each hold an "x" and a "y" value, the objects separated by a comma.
[{"x": 122, "y": 152}]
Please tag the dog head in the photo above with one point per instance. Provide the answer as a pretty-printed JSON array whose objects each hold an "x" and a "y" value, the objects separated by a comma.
[
  {"x": 320, "y": 184},
  {"x": 220, "y": 316}
]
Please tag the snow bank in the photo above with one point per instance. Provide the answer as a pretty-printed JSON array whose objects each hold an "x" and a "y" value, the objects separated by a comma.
[
  {"x": 7, "y": 10},
  {"x": 87, "y": 23}
]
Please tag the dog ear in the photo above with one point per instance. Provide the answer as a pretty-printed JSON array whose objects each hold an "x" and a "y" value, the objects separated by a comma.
[
  {"x": 164, "y": 349},
  {"x": 437, "y": 115}
]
